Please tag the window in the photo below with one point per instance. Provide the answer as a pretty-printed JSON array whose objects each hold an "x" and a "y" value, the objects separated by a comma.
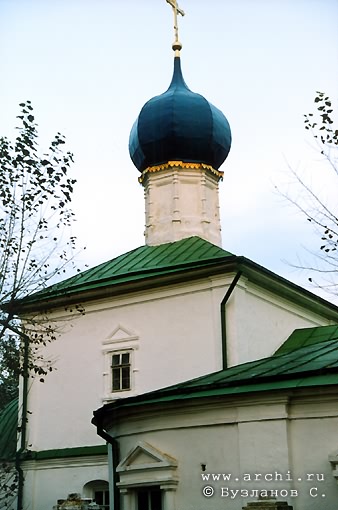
[
  {"x": 149, "y": 498},
  {"x": 120, "y": 360},
  {"x": 98, "y": 492},
  {"x": 121, "y": 368},
  {"x": 101, "y": 497}
]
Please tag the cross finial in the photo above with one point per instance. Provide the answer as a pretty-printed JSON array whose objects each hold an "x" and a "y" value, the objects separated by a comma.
[{"x": 177, "y": 46}]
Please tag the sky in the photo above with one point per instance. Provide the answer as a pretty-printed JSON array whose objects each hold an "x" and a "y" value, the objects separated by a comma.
[{"x": 89, "y": 66}]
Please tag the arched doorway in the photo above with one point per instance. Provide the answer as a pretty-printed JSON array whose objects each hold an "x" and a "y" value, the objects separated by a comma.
[{"x": 98, "y": 491}]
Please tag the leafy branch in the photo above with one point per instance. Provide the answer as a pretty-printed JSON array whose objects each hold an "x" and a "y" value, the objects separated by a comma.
[{"x": 36, "y": 240}]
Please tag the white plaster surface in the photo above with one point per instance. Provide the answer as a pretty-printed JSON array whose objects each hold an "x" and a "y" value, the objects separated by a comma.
[
  {"x": 181, "y": 203},
  {"x": 174, "y": 334}
]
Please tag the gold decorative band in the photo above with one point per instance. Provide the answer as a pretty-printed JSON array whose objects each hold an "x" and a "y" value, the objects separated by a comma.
[{"x": 179, "y": 164}]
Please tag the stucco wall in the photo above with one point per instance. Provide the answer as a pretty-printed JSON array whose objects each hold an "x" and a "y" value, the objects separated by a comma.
[
  {"x": 174, "y": 334},
  {"x": 259, "y": 322},
  {"x": 50, "y": 480},
  {"x": 172, "y": 337},
  {"x": 262, "y": 435}
]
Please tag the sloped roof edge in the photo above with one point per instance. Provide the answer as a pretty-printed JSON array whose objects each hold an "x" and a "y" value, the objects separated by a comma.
[
  {"x": 310, "y": 365},
  {"x": 140, "y": 264},
  {"x": 147, "y": 266},
  {"x": 305, "y": 337}
]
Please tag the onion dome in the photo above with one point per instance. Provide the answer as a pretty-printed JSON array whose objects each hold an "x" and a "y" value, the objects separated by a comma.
[{"x": 179, "y": 125}]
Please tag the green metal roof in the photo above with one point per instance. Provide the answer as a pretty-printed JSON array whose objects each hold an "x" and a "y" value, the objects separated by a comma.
[
  {"x": 308, "y": 336},
  {"x": 8, "y": 431},
  {"x": 149, "y": 266},
  {"x": 311, "y": 364},
  {"x": 143, "y": 262}
]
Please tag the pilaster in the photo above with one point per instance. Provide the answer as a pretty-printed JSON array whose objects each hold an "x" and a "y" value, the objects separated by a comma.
[{"x": 181, "y": 203}]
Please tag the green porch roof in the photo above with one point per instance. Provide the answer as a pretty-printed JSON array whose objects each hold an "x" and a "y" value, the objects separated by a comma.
[
  {"x": 308, "y": 336},
  {"x": 307, "y": 365},
  {"x": 8, "y": 431}
]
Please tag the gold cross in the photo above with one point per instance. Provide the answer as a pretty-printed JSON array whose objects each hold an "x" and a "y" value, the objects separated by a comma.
[{"x": 177, "y": 46}]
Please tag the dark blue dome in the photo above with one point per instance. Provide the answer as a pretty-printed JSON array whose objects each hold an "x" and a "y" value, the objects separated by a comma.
[{"x": 179, "y": 125}]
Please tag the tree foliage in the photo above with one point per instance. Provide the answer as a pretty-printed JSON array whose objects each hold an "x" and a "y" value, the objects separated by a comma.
[
  {"x": 36, "y": 241},
  {"x": 314, "y": 194},
  {"x": 9, "y": 369},
  {"x": 35, "y": 195},
  {"x": 8, "y": 485},
  {"x": 325, "y": 133},
  {"x": 323, "y": 214}
]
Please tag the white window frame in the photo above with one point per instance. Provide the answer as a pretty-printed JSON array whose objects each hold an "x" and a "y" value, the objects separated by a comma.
[
  {"x": 105, "y": 491},
  {"x": 120, "y": 366},
  {"x": 96, "y": 486},
  {"x": 120, "y": 341}
]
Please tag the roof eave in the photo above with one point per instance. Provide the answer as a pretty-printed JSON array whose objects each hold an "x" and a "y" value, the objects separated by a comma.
[
  {"x": 254, "y": 272},
  {"x": 291, "y": 385},
  {"x": 112, "y": 288},
  {"x": 285, "y": 289}
]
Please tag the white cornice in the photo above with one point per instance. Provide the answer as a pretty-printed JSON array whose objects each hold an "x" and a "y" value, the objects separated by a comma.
[{"x": 67, "y": 462}]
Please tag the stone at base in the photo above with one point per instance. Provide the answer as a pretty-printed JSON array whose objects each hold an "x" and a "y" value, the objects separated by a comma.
[
  {"x": 268, "y": 505},
  {"x": 75, "y": 502}
]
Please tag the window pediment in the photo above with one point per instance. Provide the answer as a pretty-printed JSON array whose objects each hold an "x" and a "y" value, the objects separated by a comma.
[
  {"x": 120, "y": 334},
  {"x": 147, "y": 468},
  {"x": 144, "y": 456}
]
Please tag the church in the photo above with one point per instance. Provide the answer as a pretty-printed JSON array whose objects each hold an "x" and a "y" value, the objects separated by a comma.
[{"x": 185, "y": 377}]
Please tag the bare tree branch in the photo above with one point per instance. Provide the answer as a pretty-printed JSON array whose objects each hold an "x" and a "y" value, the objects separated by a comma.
[{"x": 318, "y": 211}]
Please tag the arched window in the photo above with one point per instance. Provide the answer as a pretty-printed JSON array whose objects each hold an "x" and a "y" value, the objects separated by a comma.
[{"x": 98, "y": 491}]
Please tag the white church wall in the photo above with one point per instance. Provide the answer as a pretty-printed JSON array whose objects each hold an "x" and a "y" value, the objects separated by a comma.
[
  {"x": 173, "y": 334},
  {"x": 264, "y": 448},
  {"x": 313, "y": 429},
  {"x": 258, "y": 322},
  {"x": 163, "y": 329},
  {"x": 50, "y": 480}
]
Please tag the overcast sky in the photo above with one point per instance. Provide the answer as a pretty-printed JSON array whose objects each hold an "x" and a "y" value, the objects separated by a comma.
[{"x": 88, "y": 66}]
